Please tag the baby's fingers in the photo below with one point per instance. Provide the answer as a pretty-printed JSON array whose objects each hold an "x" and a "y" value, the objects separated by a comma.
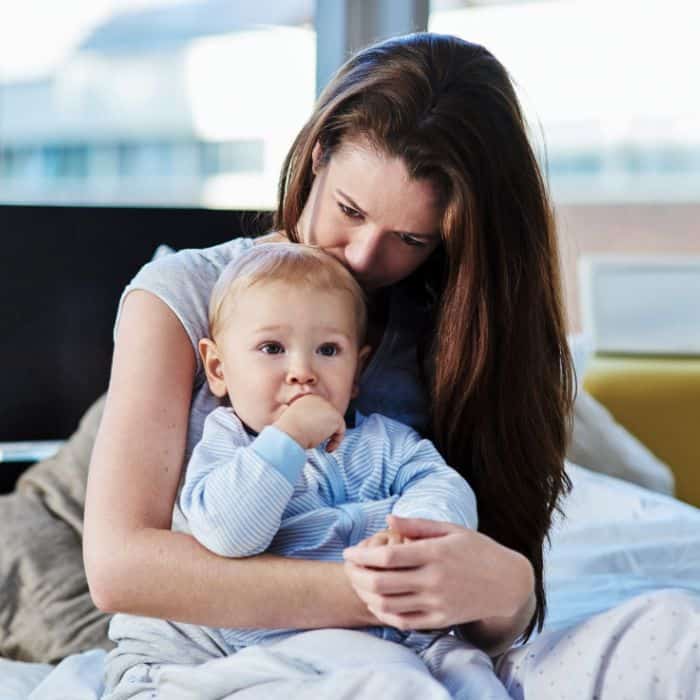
[
  {"x": 336, "y": 438},
  {"x": 394, "y": 537},
  {"x": 379, "y": 539}
]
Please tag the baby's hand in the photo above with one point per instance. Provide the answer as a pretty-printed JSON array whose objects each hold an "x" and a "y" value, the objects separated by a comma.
[
  {"x": 310, "y": 420},
  {"x": 382, "y": 538}
]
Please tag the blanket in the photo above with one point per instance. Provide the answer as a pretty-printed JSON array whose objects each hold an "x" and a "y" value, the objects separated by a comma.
[
  {"x": 624, "y": 592},
  {"x": 330, "y": 663},
  {"x": 176, "y": 660},
  {"x": 646, "y": 649}
]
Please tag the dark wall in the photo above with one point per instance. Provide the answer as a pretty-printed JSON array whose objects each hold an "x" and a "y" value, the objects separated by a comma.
[{"x": 62, "y": 270}]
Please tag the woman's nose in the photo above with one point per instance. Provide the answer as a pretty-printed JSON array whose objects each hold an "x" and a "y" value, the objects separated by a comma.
[{"x": 362, "y": 251}]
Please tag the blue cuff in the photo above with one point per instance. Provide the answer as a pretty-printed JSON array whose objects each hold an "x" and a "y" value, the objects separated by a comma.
[{"x": 281, "y": 451}]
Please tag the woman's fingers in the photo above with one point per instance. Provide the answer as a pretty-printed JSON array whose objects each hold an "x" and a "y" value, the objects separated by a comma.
[
  {"x": 397, "y": 598},
  {"x": 393, "y": 537},
  {"x": 419, "y": 528},
  {"x": 373, "y": 582},
  {"x": 413, "y": 620},
  {"x": 390, "y": 556},
  {"x": 398, "y": 604},
  {"x": 461, "y": 574}
]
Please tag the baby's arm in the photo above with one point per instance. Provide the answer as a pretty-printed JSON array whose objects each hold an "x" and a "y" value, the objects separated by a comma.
[
  {"x": 428, "y": 487},
  {"x": 234, "y": 496}
]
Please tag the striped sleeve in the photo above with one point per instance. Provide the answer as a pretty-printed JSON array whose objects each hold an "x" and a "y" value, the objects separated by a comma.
[
  {"x": 235, "y": 494},
  {"x": 427, "y": 487}
]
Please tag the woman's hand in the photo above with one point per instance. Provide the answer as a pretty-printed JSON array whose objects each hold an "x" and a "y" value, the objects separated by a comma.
[{"x": 443, "y": 576}]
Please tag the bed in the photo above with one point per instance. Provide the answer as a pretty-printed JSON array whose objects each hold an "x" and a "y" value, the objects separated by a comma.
[{"x": 624, "y": 537}]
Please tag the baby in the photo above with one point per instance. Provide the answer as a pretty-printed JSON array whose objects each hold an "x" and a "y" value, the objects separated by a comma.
[{"x": 277, "y": 471}]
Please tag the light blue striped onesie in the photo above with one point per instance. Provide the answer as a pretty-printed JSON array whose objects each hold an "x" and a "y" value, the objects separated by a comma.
[{"x": 244, "y": 495}]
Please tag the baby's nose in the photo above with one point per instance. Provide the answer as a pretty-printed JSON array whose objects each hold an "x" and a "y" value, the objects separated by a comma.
[{"x": 301, "y": 373}]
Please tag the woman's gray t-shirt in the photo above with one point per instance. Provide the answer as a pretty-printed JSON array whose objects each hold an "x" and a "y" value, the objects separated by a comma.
[{"x": 389, "y": 385}]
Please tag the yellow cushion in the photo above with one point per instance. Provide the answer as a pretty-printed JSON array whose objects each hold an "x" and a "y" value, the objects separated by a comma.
[{"x": 658, "y": 400}]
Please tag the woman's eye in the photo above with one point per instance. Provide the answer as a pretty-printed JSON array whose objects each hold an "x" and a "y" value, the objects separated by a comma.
[
  {"x": 410, "y": 240},
  {"x": 328, "y": 350},
  {"x": 349, "y": 211},
  {"x": 271, "y": 348}
]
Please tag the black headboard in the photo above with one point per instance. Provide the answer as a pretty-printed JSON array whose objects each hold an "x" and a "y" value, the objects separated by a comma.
[{"x": 62, "y": 270}]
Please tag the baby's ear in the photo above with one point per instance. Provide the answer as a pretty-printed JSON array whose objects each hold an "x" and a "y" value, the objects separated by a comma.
[
  {"x": 362, "y": 358},
  {"x": 213, "y": 367}
]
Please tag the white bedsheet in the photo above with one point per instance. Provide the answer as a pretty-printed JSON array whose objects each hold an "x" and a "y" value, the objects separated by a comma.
[
  {"x": 617, "y": 543},
  {"x": 18, "y": 679},
  {"x": 623, "y": 581}
]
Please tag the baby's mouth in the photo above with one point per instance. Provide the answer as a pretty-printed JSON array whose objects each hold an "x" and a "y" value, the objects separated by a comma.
[{"x": 301, "y": 395}]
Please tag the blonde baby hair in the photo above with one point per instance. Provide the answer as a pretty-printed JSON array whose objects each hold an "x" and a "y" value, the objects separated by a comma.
[{"x": 294, "y": 263}]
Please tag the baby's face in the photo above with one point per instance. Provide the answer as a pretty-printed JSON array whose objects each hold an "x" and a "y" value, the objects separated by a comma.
[{"x": 280, "y": 341}]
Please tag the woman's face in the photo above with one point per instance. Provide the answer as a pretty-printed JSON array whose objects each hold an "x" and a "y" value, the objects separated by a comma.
[{"x": 366, "y": 211}]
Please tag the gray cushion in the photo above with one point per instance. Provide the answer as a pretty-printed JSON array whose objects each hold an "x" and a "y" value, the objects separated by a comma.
[{"x": 46, "y": 612}]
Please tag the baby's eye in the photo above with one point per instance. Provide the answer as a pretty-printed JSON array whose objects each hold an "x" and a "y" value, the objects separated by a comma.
[
  {"x": 329, "y": 350},
  {"x": 271, "y": 348}
]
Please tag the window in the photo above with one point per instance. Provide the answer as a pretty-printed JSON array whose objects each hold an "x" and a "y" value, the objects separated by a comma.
[
  {"x": 610, "y": 84},
  {"x": 232, "y": 157},
  {"x": 155, "y": 102}
]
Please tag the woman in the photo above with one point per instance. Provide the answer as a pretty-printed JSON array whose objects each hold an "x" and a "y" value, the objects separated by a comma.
[{"x": 415, "y": 171}]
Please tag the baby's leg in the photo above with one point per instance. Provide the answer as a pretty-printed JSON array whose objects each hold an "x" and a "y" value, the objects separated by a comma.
[
  {"x": 144, "y": 644},
  {"x": 466, "y": 672},
  {"x": 327, "y": 663}
]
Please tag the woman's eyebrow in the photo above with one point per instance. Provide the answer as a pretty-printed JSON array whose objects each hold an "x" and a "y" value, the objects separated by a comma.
[
  {"x": 351, "y": 201},
  {"x": 355, "y": 205}
]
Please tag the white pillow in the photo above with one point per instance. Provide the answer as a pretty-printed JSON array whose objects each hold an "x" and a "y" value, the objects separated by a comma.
[
  {"x": 598, "y": 442},
  {"x": 161, "y": 251}
]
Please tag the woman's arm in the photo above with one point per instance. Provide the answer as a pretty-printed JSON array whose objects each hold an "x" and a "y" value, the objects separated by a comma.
[
  {"x": 449, "y": 576},
  {"x": 495, "y": 635},
  {"x": 134, "y": 562}
]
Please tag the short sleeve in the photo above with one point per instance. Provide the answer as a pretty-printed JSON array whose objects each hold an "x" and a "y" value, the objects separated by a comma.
[{"x": 184, "y": 282}]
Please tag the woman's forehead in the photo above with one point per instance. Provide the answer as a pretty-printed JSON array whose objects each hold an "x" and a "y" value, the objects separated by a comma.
[{"x": 380, "y": 185}]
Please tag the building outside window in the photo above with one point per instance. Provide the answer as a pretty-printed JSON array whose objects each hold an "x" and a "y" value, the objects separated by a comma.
[
  {"x": 152, "y": 102},
  {"x": 609, "y": 88}
]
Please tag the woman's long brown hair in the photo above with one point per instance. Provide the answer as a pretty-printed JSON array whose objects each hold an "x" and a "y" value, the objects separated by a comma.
[{"x": 500, "y": 373}]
